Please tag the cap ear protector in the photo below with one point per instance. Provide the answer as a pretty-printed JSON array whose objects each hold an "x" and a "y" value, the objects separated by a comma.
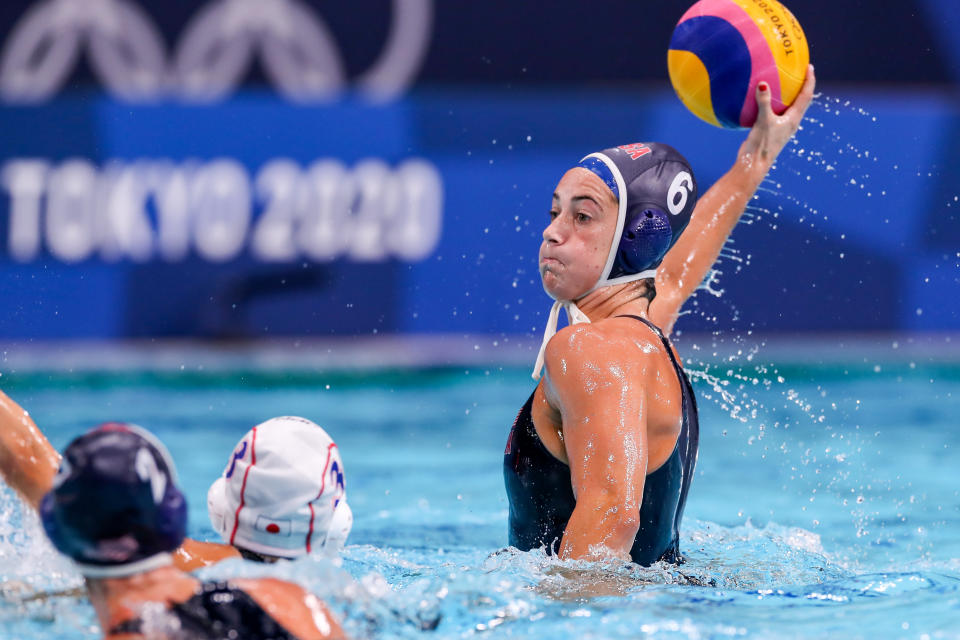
[
  {"x": 340, "y": 526},
  {"x": 645, "y": 240},
  {"x": 336, "y": 539},
  {"x": 217, "y": 506},
  {"x": 114, "y": 508}
]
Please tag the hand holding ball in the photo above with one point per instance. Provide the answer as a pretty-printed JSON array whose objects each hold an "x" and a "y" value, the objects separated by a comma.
[{"x": 722, "y": 49}]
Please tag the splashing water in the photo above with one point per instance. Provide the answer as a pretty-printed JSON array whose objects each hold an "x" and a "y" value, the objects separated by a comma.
[
  {"x": 835, "y": 158},
  {"x": 427, "y": 548},
  {"x": 763, "y": 401}
]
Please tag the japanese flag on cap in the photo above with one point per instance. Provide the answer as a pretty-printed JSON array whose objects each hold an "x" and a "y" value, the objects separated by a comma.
[{"x": 282, "y": 492}]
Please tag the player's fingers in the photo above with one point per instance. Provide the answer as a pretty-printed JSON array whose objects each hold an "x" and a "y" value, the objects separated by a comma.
[
  {"x": 764, "y": 110},
  {"x": 805, "y": 97}
]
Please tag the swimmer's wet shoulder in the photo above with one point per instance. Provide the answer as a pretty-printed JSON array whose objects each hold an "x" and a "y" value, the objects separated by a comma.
[
  {"x": 309, "y": 619},
  {"x": 591, "y": 371},
  {"x": 255, "y": 609}
]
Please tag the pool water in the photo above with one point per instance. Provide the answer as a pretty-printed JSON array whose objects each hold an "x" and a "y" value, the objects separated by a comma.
[{"x": 825, "y": 503}]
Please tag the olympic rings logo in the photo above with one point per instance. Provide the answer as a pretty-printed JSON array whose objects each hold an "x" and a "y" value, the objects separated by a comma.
[{"x": 126, "y": 51}]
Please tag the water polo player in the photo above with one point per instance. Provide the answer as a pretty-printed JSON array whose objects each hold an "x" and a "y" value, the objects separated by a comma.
[
  {"x": 281, "y": 494},
  {"x": 115, "y": 510},
  {"x": 600, "y": 458}
]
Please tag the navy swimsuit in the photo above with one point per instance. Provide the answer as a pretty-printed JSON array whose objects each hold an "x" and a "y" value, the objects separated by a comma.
[
  {"x": 541, "y": 496},
  {"x": 218, "y": 611}
]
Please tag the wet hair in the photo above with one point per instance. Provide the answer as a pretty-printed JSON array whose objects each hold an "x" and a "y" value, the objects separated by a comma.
[
  {"x": 255, "y": 556},
  {"x": 650, "y": 291}
]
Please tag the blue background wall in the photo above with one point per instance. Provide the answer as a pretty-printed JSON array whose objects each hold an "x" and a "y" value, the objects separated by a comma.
[{"x": 856, "y": 229}]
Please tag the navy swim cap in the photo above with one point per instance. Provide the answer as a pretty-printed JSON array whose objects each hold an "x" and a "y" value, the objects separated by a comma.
[
  {"x": 656, "y": 193},
  {"x": 115, "y": 508}
]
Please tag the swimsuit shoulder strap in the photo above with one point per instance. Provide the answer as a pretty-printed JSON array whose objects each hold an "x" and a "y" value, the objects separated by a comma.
[
  {"x": 129, "y": 626},
  {"x": 659, "y": 334},
  {"x": 135, "y": 625}
]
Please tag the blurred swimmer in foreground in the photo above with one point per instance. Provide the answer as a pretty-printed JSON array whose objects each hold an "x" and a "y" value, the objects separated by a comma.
[
  {"x": 115, "y": 510},
  {"x": 600, "y": 458},
  {"x": 281, "y": 495}
]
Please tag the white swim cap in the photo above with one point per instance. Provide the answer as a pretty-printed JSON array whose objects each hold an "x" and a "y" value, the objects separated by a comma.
[{"x": 282, "y": 492}]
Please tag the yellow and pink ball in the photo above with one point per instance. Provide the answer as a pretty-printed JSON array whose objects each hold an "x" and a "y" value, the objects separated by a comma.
[{"x": 722, "y": 49}]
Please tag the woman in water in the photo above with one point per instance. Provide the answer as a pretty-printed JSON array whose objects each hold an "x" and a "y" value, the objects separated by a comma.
[
  {"x": 115, "y": 510},
  {"x": 600, "y": 458},
  {"x": 285, "y": 472}
]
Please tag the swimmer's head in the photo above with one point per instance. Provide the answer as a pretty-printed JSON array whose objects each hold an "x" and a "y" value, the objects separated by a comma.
[
  {"x": 282, "y": 493},
  {"x": 115, "y": 508},
  {"x": 640, "y": 197}
]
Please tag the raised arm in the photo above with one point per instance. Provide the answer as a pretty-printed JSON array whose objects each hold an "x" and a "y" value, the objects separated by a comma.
[
  {"x": 28, "y": 462},
  {"x": 605, "y": 437},
  {"x": 719, "y": 209}
]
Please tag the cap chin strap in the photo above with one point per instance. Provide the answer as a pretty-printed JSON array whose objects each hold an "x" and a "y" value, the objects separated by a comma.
[
  {"x": 573, "y": 312},
  {"x": 575, "y": 315},
  {"x": 124, "y": 570},
  {"x": 217, "y": 507}
]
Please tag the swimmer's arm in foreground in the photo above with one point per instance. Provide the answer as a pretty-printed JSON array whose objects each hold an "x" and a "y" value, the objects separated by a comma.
[
  {"x": 719, "y": 209},
  {"x": 28, "y": 464},
  {"x": 301, "y": 614},
  {"x": 592, "y": 383}
]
